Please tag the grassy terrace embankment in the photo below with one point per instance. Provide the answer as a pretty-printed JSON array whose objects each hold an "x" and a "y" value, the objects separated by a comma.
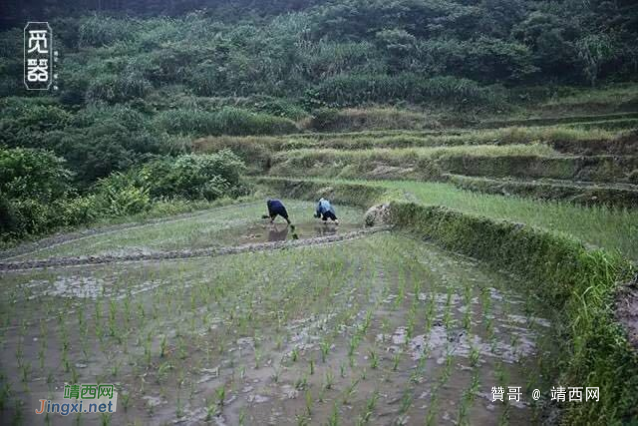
[
  {"x": 590, "y": 167},
  {"x": 611, "y": 229},
  {"x": 579, "y": 282},
  {"x": 567, "y": 139}
]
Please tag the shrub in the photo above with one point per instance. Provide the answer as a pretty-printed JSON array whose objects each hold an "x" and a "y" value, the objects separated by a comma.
[
  {"x": 121, "y": 194},
  {"x": 278, "y": 107},
  {"x": 227, "y": 121},
  {"x": 98, "y": 31},
  {"x": 104, "y": 139},
  {"x": 485, "y": 59},
  {"x": 194, "y": 176},
  {"x": 34, "y": 174},
  {"x": 21, "y": 119},
  {"x": 354, "y": 90},
  {"x": 327, "y": 119},
  {"x": 114, "y": 89},
  {"x": 324, "y": 119}
]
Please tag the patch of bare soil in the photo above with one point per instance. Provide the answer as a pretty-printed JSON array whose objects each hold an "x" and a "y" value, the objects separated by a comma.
[{"x": 627, "y": 310}]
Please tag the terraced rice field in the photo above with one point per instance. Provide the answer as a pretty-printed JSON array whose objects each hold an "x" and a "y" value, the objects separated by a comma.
[
  {"x": 382, "y": 329},
  {"x": 367, "y": 328},
  {"x": 220, "y": 227},
  {"x": 586, "y": 160}
]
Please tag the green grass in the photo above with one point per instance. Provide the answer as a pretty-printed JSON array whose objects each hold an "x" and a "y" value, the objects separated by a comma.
[
  {"x": 404, "y": 139},
  {"x": 613, "y": 95},
  {"x": 428, "y": 152},
  {"x": 409, "y": 163},
  {"x": 374, "y": 118},
  {"x": 607, "y": 228},
  {"x": 612, "y": 229},
  {"x": 160, "y": 209}
]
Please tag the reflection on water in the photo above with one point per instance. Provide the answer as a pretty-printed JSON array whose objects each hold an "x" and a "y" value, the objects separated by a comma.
[{"x": 280, "y": 232}]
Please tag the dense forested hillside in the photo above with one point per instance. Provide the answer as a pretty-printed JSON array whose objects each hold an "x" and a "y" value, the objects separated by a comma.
[
  {"x": 139, "y": 80},
  {"x": 282, "y": 47}
]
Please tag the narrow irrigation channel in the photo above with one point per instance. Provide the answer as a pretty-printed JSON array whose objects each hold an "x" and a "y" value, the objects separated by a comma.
[{"x": 383, "y": 329}]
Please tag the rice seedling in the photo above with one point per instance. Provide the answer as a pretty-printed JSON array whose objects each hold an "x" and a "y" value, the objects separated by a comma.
[
  {"x": 75, "y": 375},
  {"x": 370, "y": 404},
  {"x": 258, "y": 356},
  {"x": 18, "y": 412},
  {"x": 329, "y": 381},
  {"x": 395, "y": 361},
  {"x": 5, "y": 395},
  {"x": 163, "y": 344},
  {"x": 366, "y": 323},
  {"x": 324, "y": 346},
  {"x": 406, "y": 402},
  {"x": 179, "y": 408},
  {"x": 212, "y": 408},
  {"x": 220, "y": 392},
  {"x": 301, "y": 383},
  {"x": 432, "y": 412},
  {"x": 353, "y": 344},
  {"x": 374, "y": 360},
  {"x": 504, "y": 418},
  {"x": 350, "y": 391},
  {"x": 500, "y": 373},
  {"x": 309, "y": 402},
  {"x": 467, "y": 398},
  {"x": 333, "y": 420},
  {"x": 126, "y": 400},
  {"x": 474, "y": 356}
]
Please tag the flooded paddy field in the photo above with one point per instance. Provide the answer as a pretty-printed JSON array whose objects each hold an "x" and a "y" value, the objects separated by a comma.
[
  {"x": 379, "y": 330},
  {"x": 218, "y": 227}
]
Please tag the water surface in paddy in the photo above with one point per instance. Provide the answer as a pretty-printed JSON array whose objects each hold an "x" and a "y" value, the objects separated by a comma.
[
  {"x": 409, "y": 331},
  {"x": 267, "y": 232}
]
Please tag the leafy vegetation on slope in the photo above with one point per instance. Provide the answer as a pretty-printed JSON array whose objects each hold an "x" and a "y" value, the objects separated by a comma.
[{"x": 37, "y": 196}]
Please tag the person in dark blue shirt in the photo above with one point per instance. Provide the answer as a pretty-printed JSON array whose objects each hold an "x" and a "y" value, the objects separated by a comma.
[
  {"x": 276, "y": 208},
  {"x": 326, "y": 211}
]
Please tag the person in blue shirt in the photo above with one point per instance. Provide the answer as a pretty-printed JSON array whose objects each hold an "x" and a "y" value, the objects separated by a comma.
[
  {"x": 326, "y": 211},
  {"x": 277, "y": 208}
]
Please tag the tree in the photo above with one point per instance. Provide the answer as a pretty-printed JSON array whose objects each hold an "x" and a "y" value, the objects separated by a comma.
[{"x": 594, "y": 50}]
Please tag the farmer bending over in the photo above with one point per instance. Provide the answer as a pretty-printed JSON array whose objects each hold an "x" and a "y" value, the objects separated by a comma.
[
  {"x": 325, "y": 211},
  {"x": 276, "y": 207}
]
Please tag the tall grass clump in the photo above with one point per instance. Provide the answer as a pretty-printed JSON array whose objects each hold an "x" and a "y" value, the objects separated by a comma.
[
  {"x": 227, "y": 121},
  {"x": 351, "y": 90},
  {"x": 357, "y": 119}
]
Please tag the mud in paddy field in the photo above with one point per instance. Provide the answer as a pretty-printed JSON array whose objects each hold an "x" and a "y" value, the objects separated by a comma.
[
  {"x": 267, "y": 232},
  {"x": 379, "y": 330}
]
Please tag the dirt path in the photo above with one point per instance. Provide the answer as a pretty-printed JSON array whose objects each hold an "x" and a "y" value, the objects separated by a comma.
[{"x": 182, "y": 254}]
